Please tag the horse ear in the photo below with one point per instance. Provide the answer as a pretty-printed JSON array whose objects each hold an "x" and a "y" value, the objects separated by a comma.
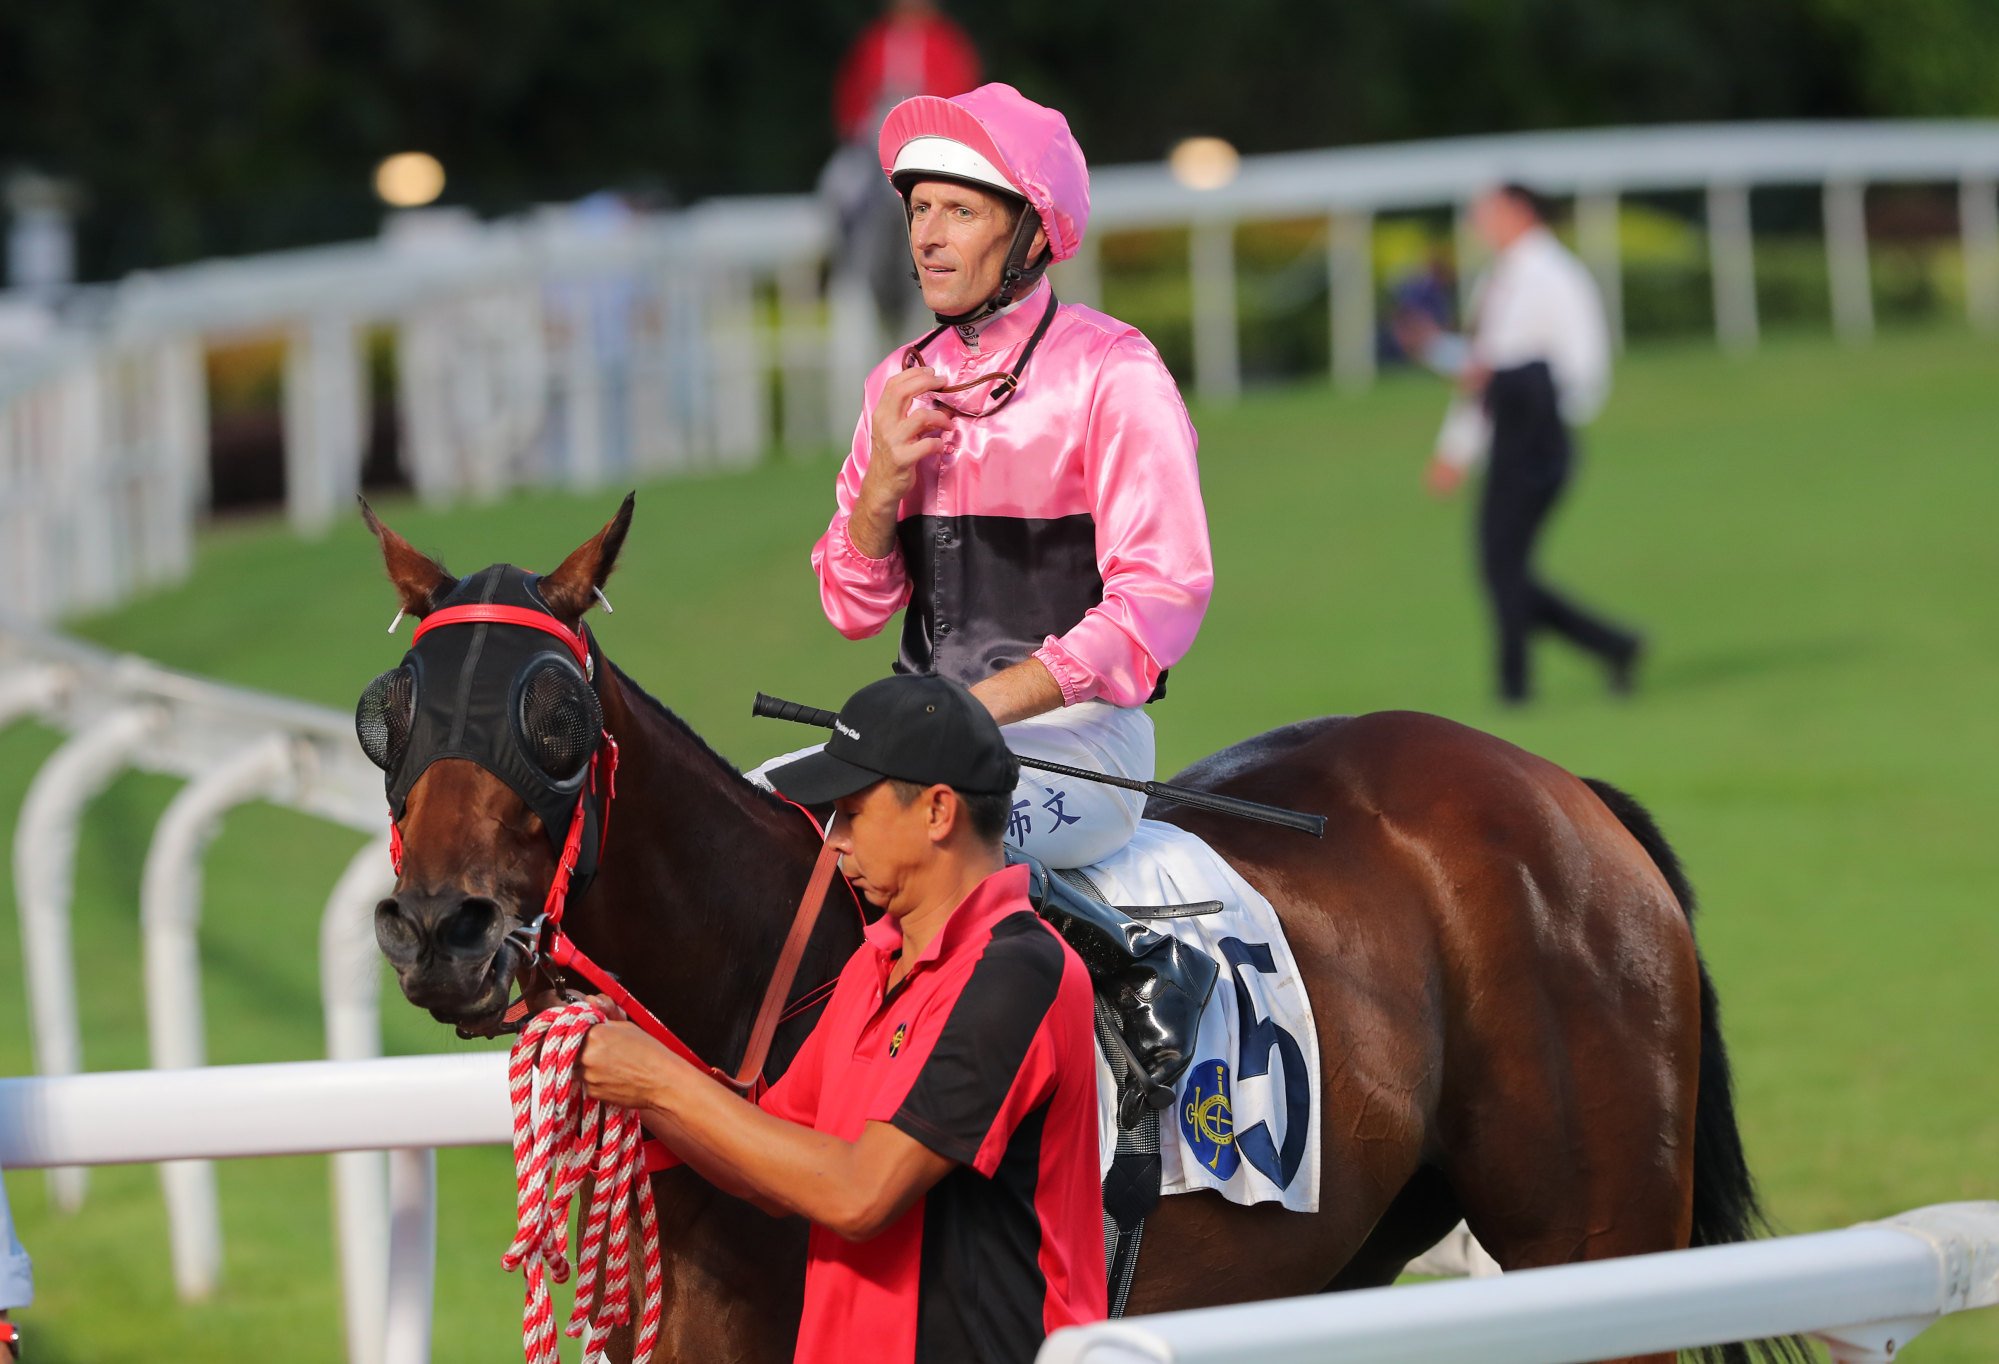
[
  {"x": 420, "y": 580},
  {"x": 570, "y": 590}
]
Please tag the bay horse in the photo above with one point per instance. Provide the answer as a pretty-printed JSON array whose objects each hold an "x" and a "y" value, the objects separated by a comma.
[{"x": 1515, "y": 1025}]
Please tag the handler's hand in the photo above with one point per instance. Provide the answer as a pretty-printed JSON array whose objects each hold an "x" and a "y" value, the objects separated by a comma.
[
  {"x": 905, "y": 432},
  {"x": 622, "y": 1066},
  {"x": 1442, "y": 478}
]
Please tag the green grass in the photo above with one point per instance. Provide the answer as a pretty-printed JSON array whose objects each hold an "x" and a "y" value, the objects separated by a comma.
[{"x": 1807, "y": 534}]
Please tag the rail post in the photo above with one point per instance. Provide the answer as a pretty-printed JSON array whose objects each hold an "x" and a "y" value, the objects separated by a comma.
[
  {"x": 170, "y": 912},
  {"x": 1598, "y": 242},
  {"x": 1732, "y": 262},
  {"x": 45, "y": 881},
  {"x": 1211, "y": 266},
  {"x": 349, "y": 989},
  {"x": 412, "y": 1259},
  {"x": 1350, "y": 271},
  {"x": 1846, "y": 259},
  {"x": 1978, "y": 217},
  {"x": 325, "y": 406}
]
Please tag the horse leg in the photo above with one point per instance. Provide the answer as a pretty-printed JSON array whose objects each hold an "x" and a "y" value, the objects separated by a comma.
[
  {"x": 1418, "y": 1218},
  {"x": 1577, "y": 1141}
]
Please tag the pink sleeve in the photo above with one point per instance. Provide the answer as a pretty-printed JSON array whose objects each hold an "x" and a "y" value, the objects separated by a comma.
[
  {"x": 1152, "y": 536},
  {"x": 859, "y": 594}
]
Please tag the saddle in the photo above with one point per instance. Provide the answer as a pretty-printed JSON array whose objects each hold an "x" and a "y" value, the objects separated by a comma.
[{"x": 1153, "y": 984}]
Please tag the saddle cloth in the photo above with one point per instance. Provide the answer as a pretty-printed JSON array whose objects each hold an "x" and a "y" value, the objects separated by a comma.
[{"x": 1245, "y": 1118}]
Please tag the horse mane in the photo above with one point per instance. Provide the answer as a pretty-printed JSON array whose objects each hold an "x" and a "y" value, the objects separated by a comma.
[{"x": 666, "y": 713}]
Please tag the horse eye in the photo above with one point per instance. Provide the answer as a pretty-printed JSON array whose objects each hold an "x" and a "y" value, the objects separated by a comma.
[
  {"x": 560, "y": 720},
  {"x": 384, "y": 715}
]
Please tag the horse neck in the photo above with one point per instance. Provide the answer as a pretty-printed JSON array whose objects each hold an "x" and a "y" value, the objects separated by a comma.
[{"x": 698, "y": 883}]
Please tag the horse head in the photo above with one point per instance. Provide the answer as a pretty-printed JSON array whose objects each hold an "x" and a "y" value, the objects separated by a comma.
[{"x": 490, "y": 736}]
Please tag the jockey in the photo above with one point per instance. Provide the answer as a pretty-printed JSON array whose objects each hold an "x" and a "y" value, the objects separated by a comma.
[{"x": 1023, "y": 481}]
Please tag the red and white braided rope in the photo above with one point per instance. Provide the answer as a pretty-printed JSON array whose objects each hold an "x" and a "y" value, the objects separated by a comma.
[{"x": 560, "y": 1138}]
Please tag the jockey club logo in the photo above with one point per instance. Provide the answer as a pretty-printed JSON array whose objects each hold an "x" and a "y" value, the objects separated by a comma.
[
  {"x": 1207, "y": 1118},
  {"x": 900, "y": 1036}
]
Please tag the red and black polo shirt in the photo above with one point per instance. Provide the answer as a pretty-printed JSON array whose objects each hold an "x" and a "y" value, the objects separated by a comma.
[{"x": 985, "y": 1054}]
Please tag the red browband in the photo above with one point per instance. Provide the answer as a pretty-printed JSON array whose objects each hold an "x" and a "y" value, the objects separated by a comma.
[{"x": 507, "y": 615}]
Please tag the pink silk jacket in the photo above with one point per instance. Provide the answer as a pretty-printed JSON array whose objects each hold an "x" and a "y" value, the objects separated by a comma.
[{"x": 1066, "y": 525}]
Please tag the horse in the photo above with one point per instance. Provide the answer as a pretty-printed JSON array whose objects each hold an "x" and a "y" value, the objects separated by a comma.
[{"x": 1515, "y": 1025}]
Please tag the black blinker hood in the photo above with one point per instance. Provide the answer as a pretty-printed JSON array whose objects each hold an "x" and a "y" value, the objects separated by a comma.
[{"x": 468, "y": 680}]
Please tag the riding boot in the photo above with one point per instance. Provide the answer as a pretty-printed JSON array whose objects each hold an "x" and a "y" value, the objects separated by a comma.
[{"x": 1154, "y": 983}]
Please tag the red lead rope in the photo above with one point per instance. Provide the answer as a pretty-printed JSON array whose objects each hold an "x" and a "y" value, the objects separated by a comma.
[{"x": 559, "y": 1139}]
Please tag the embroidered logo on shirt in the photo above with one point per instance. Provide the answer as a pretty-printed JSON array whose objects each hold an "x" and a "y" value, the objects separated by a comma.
[{"x": 901, "y": 1035}]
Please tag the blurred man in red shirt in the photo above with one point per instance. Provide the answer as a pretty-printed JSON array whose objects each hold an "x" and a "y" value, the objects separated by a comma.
[{"x": 910, "y": 50}]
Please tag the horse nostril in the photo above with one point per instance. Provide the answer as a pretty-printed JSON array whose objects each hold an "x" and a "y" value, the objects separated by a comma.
[
  {"x": 470, "y": 926},
  {"x": 394, "y": 933}
]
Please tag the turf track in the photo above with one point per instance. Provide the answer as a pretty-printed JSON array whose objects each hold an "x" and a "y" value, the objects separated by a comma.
[{"x": 1808, "y": 534}]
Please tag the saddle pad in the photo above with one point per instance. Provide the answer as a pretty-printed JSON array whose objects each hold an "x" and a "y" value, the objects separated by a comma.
[{"x": 1245, "y": 1120}]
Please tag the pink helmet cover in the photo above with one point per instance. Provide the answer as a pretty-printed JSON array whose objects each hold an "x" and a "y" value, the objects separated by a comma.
[{"x": 1030, "y": 143}]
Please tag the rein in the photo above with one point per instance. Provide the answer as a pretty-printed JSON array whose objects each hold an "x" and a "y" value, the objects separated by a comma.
[{"x": 542, "y": 938}]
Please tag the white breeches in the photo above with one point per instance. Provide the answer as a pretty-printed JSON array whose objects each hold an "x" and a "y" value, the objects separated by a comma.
[{"x": 1061, "y": 820}]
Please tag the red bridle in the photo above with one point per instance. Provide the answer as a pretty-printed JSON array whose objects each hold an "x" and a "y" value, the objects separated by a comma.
[{"x": 544, "y": 938}]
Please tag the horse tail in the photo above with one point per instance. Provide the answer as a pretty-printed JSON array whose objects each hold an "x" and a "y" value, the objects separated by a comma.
[{"x": 1727, "y": 1208}]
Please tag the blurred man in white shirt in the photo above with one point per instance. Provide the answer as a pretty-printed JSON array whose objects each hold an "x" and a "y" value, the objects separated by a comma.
[{"x": 1535, "y": 366}]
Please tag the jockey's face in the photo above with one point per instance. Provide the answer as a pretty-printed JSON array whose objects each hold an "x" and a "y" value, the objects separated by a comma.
[
  {"x": 958, "y": 236},
  {"x": 896, "y": 852}
]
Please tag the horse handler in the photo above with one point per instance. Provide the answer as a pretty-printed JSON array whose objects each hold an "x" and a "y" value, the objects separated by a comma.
[{"x": 938, "y": 1128}]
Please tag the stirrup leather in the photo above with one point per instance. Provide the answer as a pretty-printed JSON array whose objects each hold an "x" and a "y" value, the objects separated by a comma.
[{"x": 1153, "y": 982}]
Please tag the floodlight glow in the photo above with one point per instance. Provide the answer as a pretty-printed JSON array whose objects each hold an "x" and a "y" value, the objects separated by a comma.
[
  {"x": 409, "y": 180},
  {"x": 1204, "y": 162}
]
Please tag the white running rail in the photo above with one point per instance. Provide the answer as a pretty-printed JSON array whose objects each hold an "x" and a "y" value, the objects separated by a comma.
[
  {"x": 405, "y": 1106},
  {"x": 1866, "y": 1290},
  {"x": 1863, "y": 1291}
]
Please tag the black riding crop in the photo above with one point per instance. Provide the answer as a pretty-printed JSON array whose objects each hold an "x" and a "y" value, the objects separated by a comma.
[{"x": 770, "y": 707}]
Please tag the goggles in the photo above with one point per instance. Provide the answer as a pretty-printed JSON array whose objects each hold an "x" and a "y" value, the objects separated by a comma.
[{"x": 517, "y": 701}]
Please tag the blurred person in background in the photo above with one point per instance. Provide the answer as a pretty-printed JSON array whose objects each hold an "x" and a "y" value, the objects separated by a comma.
[
  {"x": 1535, "y": 366},
  {"x": 1023, "y": 481},
  {"x": 1427, "y": 291},
  {"x": 17, "y": 1281},
  {"x": 913, "y": 49}
]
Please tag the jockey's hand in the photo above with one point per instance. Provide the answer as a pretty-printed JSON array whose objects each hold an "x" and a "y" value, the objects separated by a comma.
[
  {"x": 906, "y": 431},
  {"x": 622, "y": 1066}
]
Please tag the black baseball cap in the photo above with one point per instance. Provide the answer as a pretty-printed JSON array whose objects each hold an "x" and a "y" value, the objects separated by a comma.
[{"x": 912, "y": 727}]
